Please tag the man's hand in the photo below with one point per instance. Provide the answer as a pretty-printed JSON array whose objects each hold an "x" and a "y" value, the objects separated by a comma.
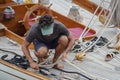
[{"x": 34, "y": 65}]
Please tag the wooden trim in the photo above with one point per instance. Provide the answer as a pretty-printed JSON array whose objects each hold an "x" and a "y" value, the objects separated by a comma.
[
  {"x": 15, "y": 37},
  {"x": 24, "y": 71},
  {"x": 8, "y": 1},
  {"x": 89, "y": 6},
  {"x": 69, "y": 23},
  {"x": 12, "y": 74},
  {"x": 2, "y": 32}
]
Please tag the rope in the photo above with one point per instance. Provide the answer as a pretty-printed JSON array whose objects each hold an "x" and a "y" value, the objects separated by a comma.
[
  {"x": 87, "y": 74},
  {"x": 53, "y": 64},
  {"x": 74, "y": 73},
  {"x": 99, "y": 36},
  {"x": 94, "y": 21},
  {"x": 103, "y": 28},
  {"x": 50, "y": 65},
  {"x": 99, "y": 30},
  {"x": 80, "y": 38}
]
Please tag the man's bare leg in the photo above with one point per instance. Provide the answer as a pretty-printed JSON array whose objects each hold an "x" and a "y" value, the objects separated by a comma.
[
  {"x": 62, "y": 44},
  {"x": 42, "y": 53}
]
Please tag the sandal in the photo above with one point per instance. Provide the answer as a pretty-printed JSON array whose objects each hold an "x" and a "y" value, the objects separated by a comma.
[{"x": 109, "y": 57}]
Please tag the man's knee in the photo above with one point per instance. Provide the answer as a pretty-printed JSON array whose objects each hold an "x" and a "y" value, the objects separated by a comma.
[
  {"x": 42, "y": 52},
  {"x": 63, "y": 40}
]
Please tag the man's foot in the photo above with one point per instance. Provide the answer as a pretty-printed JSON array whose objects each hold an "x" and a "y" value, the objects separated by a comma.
[
  {"x": 59, "y": 66},
  {"x": 40, "y": 60}
]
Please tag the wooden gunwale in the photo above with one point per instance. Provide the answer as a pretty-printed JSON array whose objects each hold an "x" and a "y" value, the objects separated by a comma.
[
  {"x": 70, "y": 23},
  {"x": 89, "y": 6},
  {"x": 13, "y": 36},
  {"x": 38, "y": 76},
  {"x": 20, "y": 11}
]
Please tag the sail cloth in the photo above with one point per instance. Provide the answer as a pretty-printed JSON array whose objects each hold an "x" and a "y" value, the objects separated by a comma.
[{"x": 116, "y": 16}]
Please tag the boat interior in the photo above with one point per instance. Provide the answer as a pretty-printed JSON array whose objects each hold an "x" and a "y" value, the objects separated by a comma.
[{"x": 91, "y": 59}]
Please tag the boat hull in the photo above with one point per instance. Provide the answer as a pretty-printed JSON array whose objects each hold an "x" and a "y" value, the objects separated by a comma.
[{"x": 17, "y": 27}]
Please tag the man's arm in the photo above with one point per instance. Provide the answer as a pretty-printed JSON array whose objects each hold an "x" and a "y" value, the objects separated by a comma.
[
  {"x": 71, "y": 43},
  {"x": 26, "y": 52}
]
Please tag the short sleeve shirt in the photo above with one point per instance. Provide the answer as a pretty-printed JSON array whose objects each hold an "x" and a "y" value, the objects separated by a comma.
[{"x": 35, "y": 33}]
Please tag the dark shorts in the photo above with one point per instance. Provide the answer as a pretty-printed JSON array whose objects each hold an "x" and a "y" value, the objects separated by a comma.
[{"x": 51, "y": 45}]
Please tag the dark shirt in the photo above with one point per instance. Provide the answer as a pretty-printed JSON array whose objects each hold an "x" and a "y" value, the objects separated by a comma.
[{"x": 35, "y": 33}]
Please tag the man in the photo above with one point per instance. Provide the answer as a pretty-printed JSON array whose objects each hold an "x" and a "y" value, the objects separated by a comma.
[{"x": 47, "y": 34}]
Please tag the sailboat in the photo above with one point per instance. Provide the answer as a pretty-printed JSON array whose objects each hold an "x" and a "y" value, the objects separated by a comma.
[
  {"x": 13, "y": 26},
  {"x": 90, "y": 66}
]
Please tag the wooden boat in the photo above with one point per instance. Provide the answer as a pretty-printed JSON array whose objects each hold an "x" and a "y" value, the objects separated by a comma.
[
  {"x": 10, "y": 71},
  {"x": 92, "y": 67},
  {"x": 91, "y": 7},
  {"x": 16, "y": 27},
  {"x": 11, "y": 24}
]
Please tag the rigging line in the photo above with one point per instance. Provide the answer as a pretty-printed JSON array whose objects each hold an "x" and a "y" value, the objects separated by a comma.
[
  {"x": 98, "y": 61},
  {"x": 80, "y": 38},
  {"x": 108, "y": 64},
  {"x": 73, "y": 73},
  {"x": 84, "y": 72},
  {"x": 108, "y": 42},
  {"x": 103, "y": 25},
  {"x": 93, "y": 23},
  {"x": 96, "y": 19},
  {"x": 53, "y": 64},
  {"x": 109, "y": 14},
  {"x": 98, "y": 49},
  {"x": 50, "y": 66},
  {"x": 114, "y": 8},
  {"x": 115, "y": 56},
  {"x": 89, "y": 46}
]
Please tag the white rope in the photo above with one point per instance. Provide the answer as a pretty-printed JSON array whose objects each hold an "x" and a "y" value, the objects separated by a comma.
[
  {"x": 80, "y": 38},
  {"x": 108, "y": 42},
  {"x": 50, "y": 65},
  {"x": 93, "y": 24},
  {"x": 95, "y": 21},
  {"x": 84, "y": 72},
  {"x": 89, "y": 46},
  {"x": 93, "y": 44},
  {"x": 99, "y": 30}
]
